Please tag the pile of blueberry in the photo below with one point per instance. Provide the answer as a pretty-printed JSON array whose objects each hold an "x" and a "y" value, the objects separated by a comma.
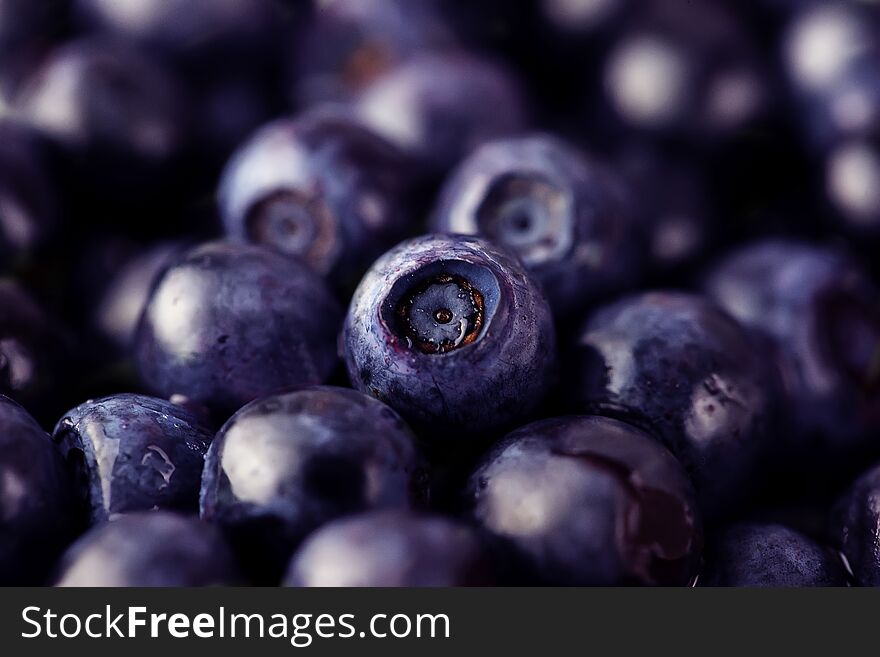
[{"x": 422, "y": 293}]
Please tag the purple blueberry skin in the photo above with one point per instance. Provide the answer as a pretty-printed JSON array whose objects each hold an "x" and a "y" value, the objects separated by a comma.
[
  {"x": 486, "y": 367},
  {"x": 590, "y": 501},
  {"x": 122, "y": 303},
  {"x": 134, "y": 453},
  {"x": 286, "y": 464},
  {"x": 562, "y": 214},
  {"x": 321, "y": 187},
  {"x": 228, "y": 323},
  {"x": 852, "y": 181},
  {"x": 38, "y": 515},
  {"x": 347, "y": 44},
  {"x": 820, "y": 313},
  {"x": 854, "y": 527},
  {"x": 394, "y": 548},
  {"x": 437, "y": 107},
  {"x": 117, "y": 115},
  {"x": 155, "y": 549},
  {"x": 760, "y": 555},
  {"x": 684, "y": 370},
  {"x": 27, "y": 199}
]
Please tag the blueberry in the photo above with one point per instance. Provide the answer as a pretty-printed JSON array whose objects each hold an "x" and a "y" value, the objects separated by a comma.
[
  {"x": 452, "y": 333},
  {"x": 116, "y": 115},
  {"x": 28, "y": 205},
  {"x": 590, "y": 501},
  {"x": 756, "y": 554},
  {"x": 229, "y": 323},
  {"x": 852, "y": 185},
  {"x": 38, "y": 516},
  {"x": 684, "y": 68},
  {"x": 855, "y": 527},
  {"x": 122, "y": 302},
  {"x": 678, "y": 366},
  {"x": 149, "y": 549},
  {"x": 347, "y": 44},
  {"x": 564, "y": 215},
  {"x": 390, "y": 548},
  {"x": 819, "y": 311},
  {"x": 321, "y": 187},
  {"x": 439, "y": 107},
  {"x": 583, "y": 18},
  {"x": 286, "y": 464},
  {"x": 134, "y": 453},
  {"x": 33, "y": 352},
  {"x": 831, "y": 55}
]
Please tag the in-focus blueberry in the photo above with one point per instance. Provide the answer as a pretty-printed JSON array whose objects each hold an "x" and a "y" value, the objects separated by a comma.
[
  {"x": 821, "y": 314},
  {"x": 228, "y": 323},
  {"x": 286, "y": 464},
  {"x": 321, "y": 187},
  {"x": 566, "y": 217},
  {"x": 686, "y": 371},
  {"x": 452, "y": 333},
  {"x": 755, "y": 554},
  {"x": 391, "y": 548},
  {"x": 38, "y": 512},
  {"x": 855, "y": 527},
  {"x": 439, "y": 107},
  {"x": 134, "y": 453},
  {"x": 159, "y": 548},
  {"x": 590, "y": 501}
]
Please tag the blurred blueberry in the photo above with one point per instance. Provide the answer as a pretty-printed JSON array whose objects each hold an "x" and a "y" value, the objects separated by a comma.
[
  {"x": 321, "y": 187},
  {"x": 226, "y": 324},
  {"x": 149, "y": 550},
  {"x": 684, "y": 68},
  {"x": 590, "y": 501},
  {"x": 852, "y": 184},
  {"x": 686, "y": 371},
  {"x": 28, "y": 203},
  {"x": 390, "y": 548},
  {"x": 855, "y": 527},
  {"x": 116, "y": 115},
  {"x": 38, "y": 514},
  {"x": 566, "y": 217},
  {"x": 120, "y": 305},
  {"x": 821, "y": 314},
  {"x": 769, "y": 555},
  {"x": 452, "y": 333},
  {"x": 286, "y": 464},
  {"x": 347, "y": 44},
  {"x": 134, "y": 453},
  {"x": 439, "y": 107}
]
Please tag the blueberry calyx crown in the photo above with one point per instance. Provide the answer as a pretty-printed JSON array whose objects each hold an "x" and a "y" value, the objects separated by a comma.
[{"x": 442, "y": 314}]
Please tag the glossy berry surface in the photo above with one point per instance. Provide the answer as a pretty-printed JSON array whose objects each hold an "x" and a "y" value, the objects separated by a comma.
[
  {"x": 565, "y": 216},
  {"x": 228, "y": 323},
  {"x": 590, "y": 501},
  {"x": 438, "y": 107},
  {"x": 134, "y": 453},
  {"x": 390, "y": 548},
  {"x": 855, "y": 528},
  {"x": 686, "y": 371},
  {"x": 286, "y": 464},
  {"x": 321, "y": 187},
  {"x": 769, "y": 555},
  {"x": 149, "y": 550},
  {"x": 452, "y": 333},
  {"x": 38, "y": 515},
  {"x": 819, "y": 310}
]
